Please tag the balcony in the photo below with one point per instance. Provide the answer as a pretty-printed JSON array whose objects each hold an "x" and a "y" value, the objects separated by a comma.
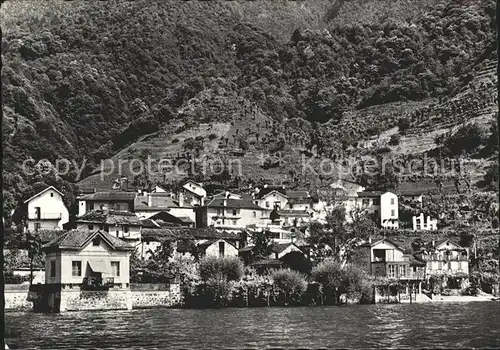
[
  {"x": 44, "y": 216},
  {"x": 444, "y": 257},
  {"x": 98, "y": 283}
]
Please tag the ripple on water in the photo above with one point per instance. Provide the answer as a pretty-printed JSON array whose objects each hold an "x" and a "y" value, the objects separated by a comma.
[{"x": 367, "y": 326}]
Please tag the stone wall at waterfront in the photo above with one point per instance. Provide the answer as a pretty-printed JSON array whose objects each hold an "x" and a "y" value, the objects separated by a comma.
[
  {"x": 82, "y": 300},
  {"x": 16, "y": 297},
  {"x": 57, "y": 298},
  {"x": 166, "y": 296}
]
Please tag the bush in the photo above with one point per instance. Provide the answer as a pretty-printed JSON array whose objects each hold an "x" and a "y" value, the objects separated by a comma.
[
  {"x": 10, "y": 278},
  {"x": 228, "y": 269},
  {"x": 395, "y": 139},
  {"x": 176, "y": 140},
  {"x": 338, "y": 280},
  {"x": 290, "y": 285},
  {"x": 403, "y": 124},
  {"x": 212, "y": 136}
]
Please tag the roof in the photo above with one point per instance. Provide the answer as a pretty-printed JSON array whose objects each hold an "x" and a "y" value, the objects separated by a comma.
[
  {"x": 267, "y": 262},
  {"x": 110, "y": 218},
  {"x": 149, "y": 223},
  {"x": 266, "y": 191},
  {"x": 370, "y": 194},
  {"x": 42, "y": 191},
  {"x": 448, "y": 240},
  {"x": 281, "y": 247},
  {"x": 167, "y": 217},
  {"x": 203, "y": 246},
  {"x": 294, "y": 213},
  {"x": 159, "y": 201},
  {"x": 233, "y": 203},
  {"x": 77, "y": 240},
  {"x": 48, "y": 235},
  {"x": 368, "y": 244},
  {"x": 174, "y": 233},
  {"x": 299, "y": 194},
  {"x": 109, "y": 196}
]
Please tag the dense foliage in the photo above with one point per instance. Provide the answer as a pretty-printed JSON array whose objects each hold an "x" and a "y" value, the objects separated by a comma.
[{"x": 83, "y": 79}]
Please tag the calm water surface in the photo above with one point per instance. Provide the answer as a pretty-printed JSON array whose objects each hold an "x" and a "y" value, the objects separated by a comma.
[{"x": 443, "y": 325}]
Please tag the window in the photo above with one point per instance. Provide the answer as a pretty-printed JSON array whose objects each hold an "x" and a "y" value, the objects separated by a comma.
[
  {"x": 393, "y": 212},
  {"x": 91, "y": 227},
  {"x": 366, "y": 202},
  {"x": 392, "y": 201},
  {"x": 91, "y": 206},
  {"x": 52, "y": 268},
  {"x": 38, "y": 226},
  {"x": 115, "y": 268},
  {"x": 235, "y": 212},
  {"x": 125, "y": 228},
  {"x": 234, "y": 222},
  {"x": 76, "y": 268},
  {"x": 402, "y": 270},
  {"x": 117, "y": 233},
  {"x": 376, "y": 201},
  {"x": 376, "y": 212},
  {"x": 222, "y": 247},
  {"x": 52, "y": 194},
  {"x": 254, "y": 214},
  {"x": 218, "y": 211},
  {"x": 96, "y": 241},
  {"x": 267, "y": 204},
  {"x": 392, "y": 270}
]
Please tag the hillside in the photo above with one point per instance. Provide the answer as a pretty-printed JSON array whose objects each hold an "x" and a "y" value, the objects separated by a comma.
[{"x": 89, "y": 80}]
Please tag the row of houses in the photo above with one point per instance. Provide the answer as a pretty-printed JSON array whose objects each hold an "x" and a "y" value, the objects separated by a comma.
[{"x": 270, "y": 208}]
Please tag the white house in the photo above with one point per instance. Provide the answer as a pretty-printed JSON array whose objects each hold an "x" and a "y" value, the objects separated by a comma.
[
  {"x": 219, "y": 248},
  {"x": 446, "y": 257},
  {"x": 150, "y": 204},
  {"x": 230, "y": 213},
  {"x": 115, "y": 200},
  {"x": 382, "y": 204},
  {"x": 272, "y": 200},
  {"x": 419, "y": 223},
  {"x": 124, "y": 225},
  {"x": 87, "y": 259},
  {"x": 46, "y": 210},
  {"x": 194, "y": 193}
]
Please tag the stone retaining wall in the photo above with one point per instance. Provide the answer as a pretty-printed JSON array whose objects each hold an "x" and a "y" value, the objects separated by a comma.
[
  {"x": 154, "y": 298},
  {"x": 81, "y": 300},
  {"x": 17, "y": 300}
]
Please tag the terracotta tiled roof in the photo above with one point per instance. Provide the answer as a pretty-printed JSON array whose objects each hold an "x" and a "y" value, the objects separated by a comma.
[
  {"x": 110, "y": 218},
  {"x": 370, "y": 194},
  {"x": 77, "y": 240},
  {"x": 175, "y": 233},
  {"x": 294, "y": 213}
]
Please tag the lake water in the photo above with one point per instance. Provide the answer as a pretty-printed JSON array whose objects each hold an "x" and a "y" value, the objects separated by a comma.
[{"x": 436, "y": 325}]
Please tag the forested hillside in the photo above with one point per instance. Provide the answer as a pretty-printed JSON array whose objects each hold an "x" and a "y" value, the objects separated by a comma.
[{"x": 83, "y": 80}]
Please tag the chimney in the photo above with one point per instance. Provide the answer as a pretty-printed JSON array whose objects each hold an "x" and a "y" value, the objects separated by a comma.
[
  {"x": 150, "y": 200},
  {"x": 181, "y": 199}
]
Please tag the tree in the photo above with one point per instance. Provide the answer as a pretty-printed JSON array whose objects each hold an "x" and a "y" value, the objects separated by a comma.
[
  {"x": 337, "y": 280},
  {"x": 262, "y": 246},
  {"x": 290, "y": 285},
  {"x": 403, "y": 124}
]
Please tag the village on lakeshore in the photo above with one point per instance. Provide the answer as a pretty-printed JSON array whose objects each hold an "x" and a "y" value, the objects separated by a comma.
[{"x": 114, "y": 252}]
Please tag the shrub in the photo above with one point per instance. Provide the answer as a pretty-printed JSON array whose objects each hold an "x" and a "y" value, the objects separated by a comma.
[
  {"x": 228, "y": 269},
  {"x": 10, "y": 278},
  {"x": 289, "y": 284},
  {"x": 176, "y": 140},
  {"x": 212, "y": 136},
  {"x": 403, "y": 124},
  {"x": 338, "y": 280},
  {"x": 395, "y": 139}
]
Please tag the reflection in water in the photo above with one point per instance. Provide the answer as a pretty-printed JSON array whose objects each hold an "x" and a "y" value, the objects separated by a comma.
[{"x": 445, "y": 325}]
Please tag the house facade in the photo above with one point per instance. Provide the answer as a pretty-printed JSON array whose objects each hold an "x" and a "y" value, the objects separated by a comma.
[
  {"x": 124, "y": 225},
  {"x": 446, "y": 258},
  {"x": 88, "y": 260},
  {"x": 194, "y": 193},
  {"x": 423, "y": 223},
  {"x": 386, "y": 259},
  {"x": 46, "y": 211},
  {"x": 117, "y": 201},
  {"x": 230, "y": 213},
  {"x": 148, "y": 205},
  {"x": 384, "y": 205}
]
